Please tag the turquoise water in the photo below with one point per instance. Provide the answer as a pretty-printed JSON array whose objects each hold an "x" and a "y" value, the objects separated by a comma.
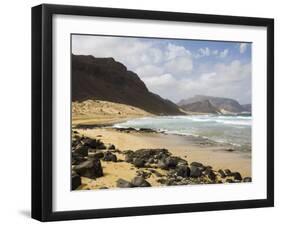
[{"x": 234, "y": 130}]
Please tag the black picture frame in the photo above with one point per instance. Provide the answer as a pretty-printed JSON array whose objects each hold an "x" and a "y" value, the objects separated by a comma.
[{"x": 42, "y": 111}]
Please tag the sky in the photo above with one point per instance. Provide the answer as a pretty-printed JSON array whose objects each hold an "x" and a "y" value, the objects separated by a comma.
[{"x": 178, "y": 69}]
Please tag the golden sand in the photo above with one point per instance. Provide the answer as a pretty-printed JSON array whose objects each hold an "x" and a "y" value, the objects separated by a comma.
[{"x": 215, "y": 156}]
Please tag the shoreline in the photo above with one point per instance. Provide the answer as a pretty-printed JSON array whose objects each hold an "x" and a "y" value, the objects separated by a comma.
[
  {"x": 186, "y": 148},
  {"x": 104, "y": 156},
  {"x": 197, "y": 148}
]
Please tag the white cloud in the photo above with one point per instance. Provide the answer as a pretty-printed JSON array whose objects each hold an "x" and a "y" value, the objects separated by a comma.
[
  {"x": 204, "y": 52},
  {"x": 179, "y": 66},
  {"x": 224, "y": 53},
  {"x": 243, "y": 47},
  {"x": 168, "y": 69},
  {"x": 215, "y": 52},
  {"x": 149, "y": 70},
  {"x": 173, "y": 51}
]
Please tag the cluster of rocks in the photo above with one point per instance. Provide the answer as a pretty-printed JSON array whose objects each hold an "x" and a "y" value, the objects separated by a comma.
[
  {"x": 177, "y": 170},
  {"x": 130, "y": 129},
  {"x": 87, "y": 154}
]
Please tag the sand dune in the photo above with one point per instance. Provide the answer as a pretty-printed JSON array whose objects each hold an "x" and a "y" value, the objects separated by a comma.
[{"x": 103, "y": 112}]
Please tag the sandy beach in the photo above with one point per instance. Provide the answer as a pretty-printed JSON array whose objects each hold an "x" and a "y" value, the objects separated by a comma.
[
  {"x": 92, "y": 120},
  {"x": 189, "y": 148}
]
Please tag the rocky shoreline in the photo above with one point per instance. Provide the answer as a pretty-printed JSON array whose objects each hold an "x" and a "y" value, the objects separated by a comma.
[{"x": 89, "y": 155}]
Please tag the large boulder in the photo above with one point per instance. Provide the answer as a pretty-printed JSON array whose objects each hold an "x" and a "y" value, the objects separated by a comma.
[
  {"x": 77, "y": 158},
  {"x": 182, "y": 171},
  {"x": 236, "y": 176},
  {"x": 75, "y": 181},
  {"x": 93, "y": 143},
  {"x": 139, "y": 162},
  {"x": 140, "y": 182},
  {"x": 195, "y": 171},
  {"x": 81, "y": 149},
  {"x": 171, "y": 162},
  {"x": 90, "y": 168}
]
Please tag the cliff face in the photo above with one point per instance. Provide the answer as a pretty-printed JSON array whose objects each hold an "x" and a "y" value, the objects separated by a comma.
[{"x": 108, "y": 80}]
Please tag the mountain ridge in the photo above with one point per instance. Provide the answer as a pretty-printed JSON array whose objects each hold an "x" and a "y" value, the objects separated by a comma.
[
  {"x": 109, "y": 80},
  {"x": 224, "y": 105},
  {"x": 204, "y": 106}
]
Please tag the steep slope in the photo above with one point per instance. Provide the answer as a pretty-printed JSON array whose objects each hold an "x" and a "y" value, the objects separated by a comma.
[
  {"x": 223, "y": 104},
  {"x": 108, "y": 80},
  {"x": 202, "y": 106}
]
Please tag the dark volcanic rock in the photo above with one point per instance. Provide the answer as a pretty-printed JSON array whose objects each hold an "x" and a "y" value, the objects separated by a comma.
[
  {"x": 195, "y": 171},
  {"x": 182, "y": 171},
  {"x": 75, "y": 181},
  {"x": 247, "y": 179},
  {"x": 143, "y": 157},
  {"x": 90, "y": 168},
  {"x": 138, "y": 162},
  {"x": 210, "y": 174},
  {"x": 230, "y": 150},
  {"x": 173, "y": 161},
  {"x": 222, "y": 174},
  {"x": 81, "y": 150},
  {"x": 77, "y": 158},
  {"x": 162, "y": 164},
  {"x": 121, "y": 183},
  {"x": 111, "y": 147},
  {"x": 197, "y": 164},
  {"x": 93, "y": 143},
  {"x": 109, "y": 80},
  {"x": 147, "y": 130},
  {"x": 227, "y": 172},
  {"x": 108, "y": 156},
  {"x": 140, "y": 182},
  {"x": 236, "y": 176},
  {"x": 96, "y": 154}
]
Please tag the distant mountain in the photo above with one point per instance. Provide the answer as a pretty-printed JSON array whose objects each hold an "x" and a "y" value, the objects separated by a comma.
[
  {"x": 108, "y": 80},
  {"x": 247, "y": 107},
  {"x": 224, "y": 105},
  {"x": 202, "y": 106}
]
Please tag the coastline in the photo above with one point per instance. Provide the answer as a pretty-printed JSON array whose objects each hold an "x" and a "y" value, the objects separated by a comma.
[
  {"x": 219, "y": 156},
  {"x": 92, "y": 124},
  {"x": 192, "y": 149}
]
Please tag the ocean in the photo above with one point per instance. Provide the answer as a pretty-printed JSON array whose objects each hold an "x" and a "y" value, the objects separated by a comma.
[{"x": 235, "y": 130}]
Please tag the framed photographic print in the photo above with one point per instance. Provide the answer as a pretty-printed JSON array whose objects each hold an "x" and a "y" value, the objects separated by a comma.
[{"x": 146, "y": 112}]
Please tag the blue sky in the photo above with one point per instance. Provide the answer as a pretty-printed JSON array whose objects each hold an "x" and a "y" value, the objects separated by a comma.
[{"x": 178, "y": 69}]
